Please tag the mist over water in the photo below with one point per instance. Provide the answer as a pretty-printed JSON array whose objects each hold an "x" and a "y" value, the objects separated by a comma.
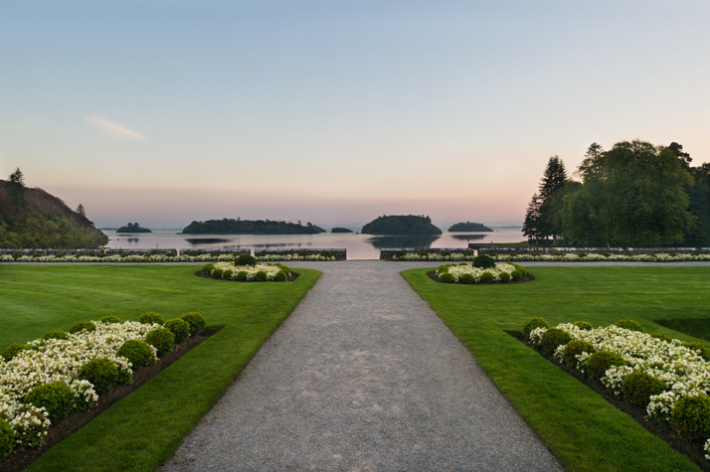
[{"x": 359, "y": 246}]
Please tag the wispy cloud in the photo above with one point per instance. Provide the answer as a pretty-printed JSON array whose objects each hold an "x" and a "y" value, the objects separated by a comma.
[{"x": 113, "y": 129}]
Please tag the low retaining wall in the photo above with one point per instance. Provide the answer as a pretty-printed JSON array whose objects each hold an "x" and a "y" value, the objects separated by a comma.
[
  {"x": 491, "y": 249},
  {"x": 388, "y": 254},
  {"x": 339, "y": 254},
  {"x": 140, "y": 252},
  {"x": 199, "y": 252}
]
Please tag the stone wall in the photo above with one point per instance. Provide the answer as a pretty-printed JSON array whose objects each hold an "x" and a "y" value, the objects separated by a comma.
[
  {"x": 483, "y": 249},
  {"x": 388, "y": 254},
  {"x": 197, "y": 252}
]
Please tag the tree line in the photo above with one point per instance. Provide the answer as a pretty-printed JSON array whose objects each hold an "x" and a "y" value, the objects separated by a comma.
[{"x": 635, "y": 194}]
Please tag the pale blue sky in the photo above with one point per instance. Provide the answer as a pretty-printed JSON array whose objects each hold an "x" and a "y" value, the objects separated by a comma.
[{"x": 337, "y": 112}]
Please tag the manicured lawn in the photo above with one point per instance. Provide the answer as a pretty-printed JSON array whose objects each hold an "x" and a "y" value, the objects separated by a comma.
[
  {"x": 140, "y": 432},
  {"x": 584, "y": 431}
]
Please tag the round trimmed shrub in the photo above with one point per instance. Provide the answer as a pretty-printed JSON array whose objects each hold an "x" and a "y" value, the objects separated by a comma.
[
  {"x": 242, "y": 276},
  {"x": 61, "y": 335},
  {"x": 660, "y": 336},
  {"x": 102, "y": 373},
  {"x": 14, "y": 349},
  {"x": 467, "y": 279},
  {"x": 179, "y": 328},
  {"x": 137, "y": 352},
  {"x": 699, "y": 348},
  {"x": 162, "y": 339},
  {"x": 638, "y": 387},
  {"x": 196, "y": 322},
  {"x": 599, "y": 362},
  {"x": 327, "y": 254},
  {"x": 446, "y": 278},
  {"x": 110, "y": 319},
  {"x": 208, "y": 268},
  {"x": 552, "y": 338},
  {"x": 631, "y": 325},
  {"x": 532, "y": 324},
  {"x": 484, "y": 262},
  {"x": 246, "y": 260},
  {"x": 217, "y": 274},
  {"x": 56, "y": 397},
  {"x": 487, "y": 278},
  {"x": 83, "y": 326},
  {"x": 227, "y": 274},
  {"x": 281, "y": 276},
  {"x": 583, "y": 325},
  {"x": 151, "y": 318},
  {"x": 7, "y": 438},
  {"x": 522, "y": 269},
  {"x": 690, "y": 417},
  {"x": 574, "y": 348},
  {"x": 504, "y": 277},
  {"x": 516, "y": 275},
  {"x": 399, "y": 254},
  {"x": 260, "y": 276}
]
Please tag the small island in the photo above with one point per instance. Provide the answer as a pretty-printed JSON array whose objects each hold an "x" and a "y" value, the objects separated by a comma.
[
  {"x": 469, "y": 227},
  {"x": 339, "y": 229},
  {"x": 406, "y": 225},
  {"x": 239, "y": 226},
  {"x": 133, "y": 228}
]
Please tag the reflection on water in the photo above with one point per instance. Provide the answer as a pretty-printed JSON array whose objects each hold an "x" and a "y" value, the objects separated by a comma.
[
  {"x": 359, "y": 246},
  {"x": 388, "y": 242}
]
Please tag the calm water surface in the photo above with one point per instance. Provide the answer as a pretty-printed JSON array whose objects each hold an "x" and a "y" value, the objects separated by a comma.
[{"x": 359, "y": 246}]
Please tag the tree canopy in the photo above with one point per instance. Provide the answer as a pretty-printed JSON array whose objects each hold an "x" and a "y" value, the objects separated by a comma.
[
  {"x": 412, "y": 225},
  {"x": 239, "y": 226}
]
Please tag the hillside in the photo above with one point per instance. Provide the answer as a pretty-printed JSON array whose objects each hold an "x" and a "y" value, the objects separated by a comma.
[
  {"x": 469, "y": 227},
  {"x": 231, "y": 226},
  {"x": 44, "y": 222},
  {"x": 133, "y": 228},
  {"x": 401, "y": 225}
]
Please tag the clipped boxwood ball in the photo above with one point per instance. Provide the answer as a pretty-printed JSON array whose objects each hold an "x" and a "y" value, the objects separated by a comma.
[
  {"x": 110, "y": 319},
  {"x": 260, "y": 276},
  {"x": 690, "y": 418},
  {"x": 9, "y": 353},
  {"x": 631, "y": 325},
  {"x": 245, "y": 260},
  {"x": 484, "y": 262},
  {"x": 574, "y": 348},
  {"x": 280, "y": 276},
  {"x": 102, "y": 373},
  {"x": 446, "y": 278},
  {"x": 660, "y": 336},
  {"x": 552, "y": 338},
  {"x": 242, "y": 276},
  {"x": 196, "y": 322},
  {"x": 61, "y": 335},
  {"x": 83, "y": 326},
  {"x": 56, "y": 397},
  {"x": 7, "y": 438},
  {"x": 487, "y": 278},
  {"x": 208, "y": 268},
  {"x": 162, "y": 339},
  {"x": 467, "y": 279},
  {"x": 137, "y": 352},
  {"x": 583, "y": 325},
  {"x": 638, "y": 387},
  {"x": 179, "y": 328},
  {"x": 227, "y": 274},
  {"x": 217, "y": 273},
  {"x": 522, "y": 269},
  {"x": 504, "y": 277},
  {"x": 601, "y": 361},
  {"x": 532, "y": 324},
  {"x": 151, "y": 318},
  {"x": 699, "y": 348},
  {"x": 516, "y": 275}
]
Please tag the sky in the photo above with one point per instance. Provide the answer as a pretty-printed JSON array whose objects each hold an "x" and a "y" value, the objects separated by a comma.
[{"x": 165, "y": 112}]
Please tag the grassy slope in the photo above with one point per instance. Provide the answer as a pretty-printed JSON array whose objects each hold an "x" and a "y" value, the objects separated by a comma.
[
  {"x": 578, "y": 426},
  {"x": 141, "y": 431}
]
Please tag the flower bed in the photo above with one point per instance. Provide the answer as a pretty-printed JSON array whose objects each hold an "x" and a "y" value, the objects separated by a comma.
[
  {"x": 253, "y": 272},
  {"x": 534, "y": 257},
  {"x": 487, "y": 273},
  {"x": 46, "y": 380},
  {"x": 300, "y": 256},
  {"x": 669, "y": 378},
  {"x": 118, "y": 258}
]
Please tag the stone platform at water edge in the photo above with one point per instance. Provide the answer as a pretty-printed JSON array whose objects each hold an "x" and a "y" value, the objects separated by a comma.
[{"x": 363, "y": 376}]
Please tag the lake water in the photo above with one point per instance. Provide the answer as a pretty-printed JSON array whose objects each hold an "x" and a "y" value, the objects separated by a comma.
[{"x": 359, "y": 246}]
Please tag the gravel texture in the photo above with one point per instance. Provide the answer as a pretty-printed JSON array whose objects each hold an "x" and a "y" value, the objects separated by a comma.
[{"x": 363, "y": 376}]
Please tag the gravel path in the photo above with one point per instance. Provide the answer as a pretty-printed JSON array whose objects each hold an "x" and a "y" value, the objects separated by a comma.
[{"x": 362, "y": 376}]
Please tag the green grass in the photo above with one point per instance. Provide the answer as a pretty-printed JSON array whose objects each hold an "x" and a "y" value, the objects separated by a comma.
[
  {"x": 583, "y": 430},
  {"x": 698, "y": 327},
  {"x": 140, "y": 432}
]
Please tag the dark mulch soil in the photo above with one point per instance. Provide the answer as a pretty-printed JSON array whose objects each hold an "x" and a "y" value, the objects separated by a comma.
[
  {"x": 528, "y": 278},
  {"x": 694, "y": 451},
  {"x": 199, "y": 273},
  {"x": 20, "y": 460}
]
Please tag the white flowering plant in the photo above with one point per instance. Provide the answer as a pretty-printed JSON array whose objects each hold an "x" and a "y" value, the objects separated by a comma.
[
  {"x": 681, "y": 369},
  {"x": 46, "y": 361},
  {"x": 560, "y": 257},
  {"x": 118, "y": 258},
  {"x": 464, "y": 273},
  {"x": 248, "y": 273}
]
